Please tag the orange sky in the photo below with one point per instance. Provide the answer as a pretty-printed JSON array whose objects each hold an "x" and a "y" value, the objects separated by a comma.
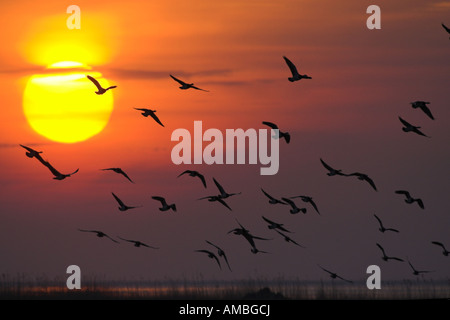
[{"x": 362, "y": 80}]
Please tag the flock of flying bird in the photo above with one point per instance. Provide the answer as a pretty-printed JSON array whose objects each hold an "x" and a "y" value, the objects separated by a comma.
[{"x": 222, "y": 195}]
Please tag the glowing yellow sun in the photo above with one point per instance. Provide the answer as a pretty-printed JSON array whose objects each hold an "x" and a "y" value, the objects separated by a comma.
[{"x": 62, "y": 105}]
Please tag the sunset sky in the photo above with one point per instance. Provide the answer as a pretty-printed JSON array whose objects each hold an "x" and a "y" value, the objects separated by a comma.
[{"x": 347, "y": 114}]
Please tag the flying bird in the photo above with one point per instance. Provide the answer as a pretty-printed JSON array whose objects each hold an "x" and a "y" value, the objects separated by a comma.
[
  {"x": 164, "y": 204},
  {"x": 415, "y": 271},
  {"x": 423, "y": 106},
  {"x": 119, "y": 171},
  {"x": 382, "y": 228},
  {"x": 332, "y": 172},
  {"x": 294, "y": 209},
  {"x": 220, "y": 253},
  {"x": 385, "y": 257},
  {"x": 223, "y": 194},
  {"x": 445, "y": 252},
  {"x": 32, "y": 153},
  {"x": 218, "y": 199},
  {"x": 308, "y": 200},
  {"x": 410, "y": 128},
  {"x": 363, "y": 177},
  {"x": 122, "y": 206},
  {"x": 193, "y": 173},
  {"x": 281, "y": 135},
  {"x": 334, "y": 275},
  {"x": 248, "y": 236},
  {"x": 287, "y": 239},
  {"x": 185, "y": 86},
  {"x": 272, "y": 200},
  {"x": 295, "y": 75},
  {"x": 137, "y": 244},
  {"x": 57, "y": 175},
  {"x": 211, "y": 255},
  {"x": 100, "y": 89},
  {"x": 410, "y": 199},
  {"x": 446, "y": 28},
  {"x": 100, "y": 234},
  {"x": 274, "y": 225},
  {"x": 151, "y": 113}
]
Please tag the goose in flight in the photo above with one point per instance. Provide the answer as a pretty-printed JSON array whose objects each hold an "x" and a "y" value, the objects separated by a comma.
[
  {"x": 334, "y": 275},
  {"x": 151, "y": 113},
  {"x": 410, "y": 128},
  {"x": 32, "y": 153},
  {"x": 100, "y": 89},
  {"x": 410, "y": 199},
  {"x": 100, "y": 234},
  {"x": 445, "y": 252},
  {"x": 220, "y": 253},
  {"x": 164, "y": 204},
  {"x": 287, "y": 239},
  {"x": 363, "y": 177},
  {"x": 119, "y": 171},
  {"x": 275, "y": 225},
  {"x": 422, "y": 105},
  {"x": 281, "y": 135},
  {"x": 272, "y": 200},
  {"x": 137, "y": 244},
  {"x": 415, "y": 271},
  {"x": 223, "y": 194},
  {"x": 332, "y": 172},
  {"x": 57, "y": 175},
  {"x": 193, "y": 173},
  {"x": 382, "y": 228},
  {"x": 385, "y": 257},
  {"x": 242, "y": 231},
  {"x": 122, "y": 206},
  {"x": 211, "y": 255},
  {"x": 218, "y": 199},
  {"x": 308, "y": 200},
  {"x": 295, "y": 75},
  {"x": 185, "y": 86},
  {"x": 446, "y": 28},
  {"x": 294, "y": 209}
]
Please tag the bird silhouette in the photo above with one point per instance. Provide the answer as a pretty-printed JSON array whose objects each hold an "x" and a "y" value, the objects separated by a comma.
[
  {"x": 122, "y": 206},
  {"x": 382, "y": 228},
  {"x": 223, "y": 194},
  {"x": 164, "y": 204},
  {"x": 295, "y": 75},
  {"x": 294, "y": 209},
  {"x": 332, "y": 171},
  {"x": 119, "y": 171},
  {"x": 242, "y": 231},
  {"x": 217, "y": 199},
  {"x": 410, "y": 199},
  {"x": 138, "y": 244},
  {"x": 415, "y": 271},
  {"x": 185, "y": 86},
  {"x": 151, "y": 113},
  {"x": 445, "y": 252},
  {"x": 308, "y": 200},
  {"x": 211, "y": 255},
  {"x": 287, "y": 239},
  {"x": 408, "y": 127},
  {"x": 281, "y": 135},
  {"x": 422, "y": 105},
  {"x": 385, "y": 257},
  {"x": 220, "y": 253},
  {"x": 31, "y": 153},
  {"x": 193, "y": 173},
  {"x": 57, "y": 175},
  {"x": 100, "y": 234},
  {"x": 272, "y": 200},
  {"x": 334, "y": 275},
  {"x": 446, "y": 28},
  {"x": 363, "y": 177},
  {"x": 100, "y": 89},
  {"x": 275, "y": 225}
]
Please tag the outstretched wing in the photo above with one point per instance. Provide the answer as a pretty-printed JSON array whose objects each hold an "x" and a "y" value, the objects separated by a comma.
[
  {"x": 184, "y": 172},
  {"x": 438, "y": 244},
  {"x": 291, "y": 66},
  {"x": 194, "y": 87},
  {"x": 379, "y": 220},
  {"x": 224, "y": 203},
  {"x": 118, "y": 200},
  {"x": 160, "y": 199},
  {"x": 125, "y": 175},
  {"x": 420, "y": 203},
  {"x": 446, "y": 28},
  {"x": 289, "y": 201},
  {"x": 426, "y": 110},
  {"x": 221, "y": 189},
  {"x": 381, "y": 248},
  {"x": 155, "y": 117},
  {"x": 178, "y": 80},
  {"x": 326, "y": 165},
  {"x": 404, "y": 192},
  {"x": 267, "y": 220},
  {"x": 267, "y": 195},
  {"x": 202, "y": 177},
  {"x": 370, "y": 181},
  {"x": 55, "y": 172},
  {"x": 405, "y": 123},
  {"x": 270, "y": 124},
  {"x": 94, "y": 81}
]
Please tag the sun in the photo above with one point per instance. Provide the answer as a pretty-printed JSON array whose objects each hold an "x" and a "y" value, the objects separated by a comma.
[{"x": 62, "y": 106}]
